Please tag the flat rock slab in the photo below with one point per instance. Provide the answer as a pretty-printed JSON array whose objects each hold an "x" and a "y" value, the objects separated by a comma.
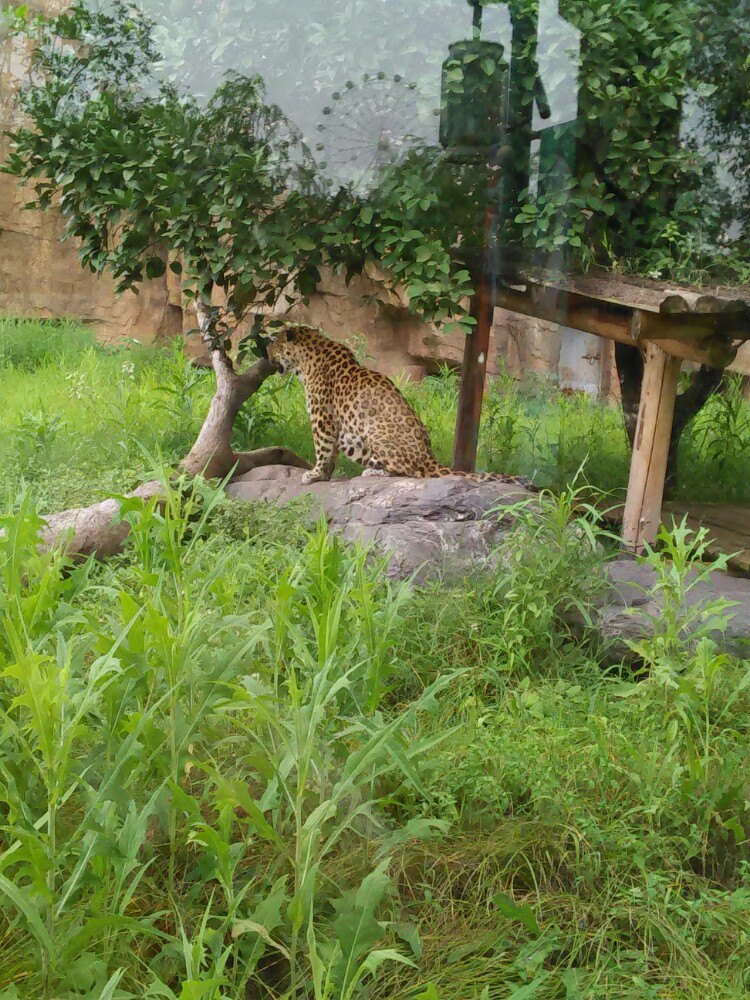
[
  {"x": 427, "y": 527},
  {"x": 453, "y": 527},
  {"x": 632, "y": 607}
]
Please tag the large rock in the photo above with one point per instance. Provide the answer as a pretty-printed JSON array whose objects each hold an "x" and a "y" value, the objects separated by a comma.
[
  {"x": 631, "y": 607},
  {"x": 426, "y": 526},
  {"x": 453, "y": 528}
]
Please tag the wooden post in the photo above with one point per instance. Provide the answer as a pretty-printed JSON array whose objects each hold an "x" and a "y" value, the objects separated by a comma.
[
  {"x": 648, "y": 465},
  {"x": 473, "y": 375}
]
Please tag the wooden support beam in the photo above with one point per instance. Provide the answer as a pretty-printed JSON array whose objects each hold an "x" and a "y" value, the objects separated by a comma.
[
  {"x": 473, "y": 375},
  {"x": 648, "y": 465},
  {"x": 616, "y": 323}
]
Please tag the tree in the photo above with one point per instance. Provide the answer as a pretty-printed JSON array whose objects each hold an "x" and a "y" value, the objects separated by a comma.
[
  {"x": 216, "y": 182},
  {"x": 221, "y": 190}
]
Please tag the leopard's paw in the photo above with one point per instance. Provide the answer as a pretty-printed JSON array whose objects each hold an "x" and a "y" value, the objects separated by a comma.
[{"x": 313, "y": 476}]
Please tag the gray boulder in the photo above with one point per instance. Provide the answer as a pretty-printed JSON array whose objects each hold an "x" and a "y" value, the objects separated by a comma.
[
  {"x": 427, "y": 527},
  {"x": 453, "y": 528},
  {"x": 631, "y": 608}
]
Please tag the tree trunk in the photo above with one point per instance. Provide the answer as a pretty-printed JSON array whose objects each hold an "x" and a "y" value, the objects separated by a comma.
[
  {"x": 94, "y": 530},
  {"x": 703, "y": 384},
  {"x": 212, "y": 453}
]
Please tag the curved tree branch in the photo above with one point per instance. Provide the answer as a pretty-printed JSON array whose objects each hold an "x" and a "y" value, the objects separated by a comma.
[{"x": 96, "y": 530}]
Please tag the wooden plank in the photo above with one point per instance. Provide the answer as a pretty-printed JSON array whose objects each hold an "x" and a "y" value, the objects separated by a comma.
[
  {"x": 686, "y": 327},
  {"x": 635, "y": 292},
  {"x": 699, "y": 303},
  {"x": 675, "y": 304},
  {"x": 734, "y": 517},
  {"x": 599, "y": 290},
  {"x": 613, "y": 322},
  {"x": 648, "y": 466},
  {"x": 716, "y": 304},
  {"x": 728, "y": 526},
  {"x": 473, "y": 373}
]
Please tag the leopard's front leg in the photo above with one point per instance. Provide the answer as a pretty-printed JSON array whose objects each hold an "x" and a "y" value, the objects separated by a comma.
[{"x": 325, "y": 438}]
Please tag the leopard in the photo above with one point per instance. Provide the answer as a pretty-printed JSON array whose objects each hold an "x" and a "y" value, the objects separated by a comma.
[{"x": 359, "y": 412}]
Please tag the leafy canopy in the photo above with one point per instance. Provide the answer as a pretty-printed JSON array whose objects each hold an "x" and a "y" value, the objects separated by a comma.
[
  {"x": 651, "y": 165},
  {"x": 153, "y": 168},
  {"x": 223, "y": 188}
]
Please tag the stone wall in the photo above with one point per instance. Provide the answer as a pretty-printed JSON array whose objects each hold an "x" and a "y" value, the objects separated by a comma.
[{"x": 40, "y": 274}]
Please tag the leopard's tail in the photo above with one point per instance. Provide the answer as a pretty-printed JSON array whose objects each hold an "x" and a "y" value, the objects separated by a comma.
[{"x": 441, "y": 471}]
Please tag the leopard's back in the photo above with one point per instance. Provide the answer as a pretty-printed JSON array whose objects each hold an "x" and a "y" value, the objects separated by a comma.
[{"x": 377, "y": 426}]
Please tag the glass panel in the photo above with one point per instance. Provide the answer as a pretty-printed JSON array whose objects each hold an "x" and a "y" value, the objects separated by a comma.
[{"x": 621, "y": 130}]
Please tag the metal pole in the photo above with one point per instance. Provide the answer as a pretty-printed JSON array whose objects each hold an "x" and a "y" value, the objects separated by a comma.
[{"x": 513, "y": 166}]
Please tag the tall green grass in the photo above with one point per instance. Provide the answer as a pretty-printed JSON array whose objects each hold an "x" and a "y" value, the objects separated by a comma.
[
  {"x": 251, "y": 767},
  {"x": 238, "y": 763},
  {"x": 78, "y": 420}
]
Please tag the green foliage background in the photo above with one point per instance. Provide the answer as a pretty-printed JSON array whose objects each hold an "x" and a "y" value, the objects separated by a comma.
[
  {"x": 158, "y": 138},
  {"x": 660, "y": 90}
]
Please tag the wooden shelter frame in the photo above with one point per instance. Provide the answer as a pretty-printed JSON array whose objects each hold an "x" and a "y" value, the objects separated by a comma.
[{"x": 668, "y": 325}]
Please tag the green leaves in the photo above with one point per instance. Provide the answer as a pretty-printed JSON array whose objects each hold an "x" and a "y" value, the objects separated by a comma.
[
  {"x": 140, "y": 167},
  {"x": 267, "y": 917},
  {"x": 228, "y": 184},
  {"x": 22, "y": 899},
  {"x": 225, "y": 186},
  {"x": 510, "y": 910},
  {"x": 235, "y": 793},
  {"x": 308, "y": 279},
  {"x": 155, "y": 267},
  {"x": 669, "y": 101},
  {"x": 304, "y": 243},
  {"x": 356, "y": 928},
  {"x": 429, "y": 993}
]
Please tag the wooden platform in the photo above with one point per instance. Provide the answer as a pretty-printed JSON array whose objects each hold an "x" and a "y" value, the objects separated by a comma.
[
  {"x": 667, "y": 323},
  {"x": 728, "y": 526},
  {"x": 703, "y": 326},
  {"x": 636, "y": 292}
]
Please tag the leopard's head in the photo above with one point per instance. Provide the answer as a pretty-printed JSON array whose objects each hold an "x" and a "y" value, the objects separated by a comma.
[{"x": 289, "y": 346}]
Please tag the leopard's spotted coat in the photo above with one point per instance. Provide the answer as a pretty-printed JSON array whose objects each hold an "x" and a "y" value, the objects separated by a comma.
[{"x": 358, "y": 411}]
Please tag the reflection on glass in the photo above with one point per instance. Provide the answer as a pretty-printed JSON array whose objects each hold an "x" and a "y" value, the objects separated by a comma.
[
  {"x": 627, "y": 124},
  {"x": 569, "y": 132}
]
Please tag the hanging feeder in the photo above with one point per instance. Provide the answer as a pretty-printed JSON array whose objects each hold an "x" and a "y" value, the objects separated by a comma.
[{"x": 473, "y": 96}]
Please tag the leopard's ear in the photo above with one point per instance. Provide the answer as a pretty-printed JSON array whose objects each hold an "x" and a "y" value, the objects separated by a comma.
[{"x": 291, "y": 334}]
